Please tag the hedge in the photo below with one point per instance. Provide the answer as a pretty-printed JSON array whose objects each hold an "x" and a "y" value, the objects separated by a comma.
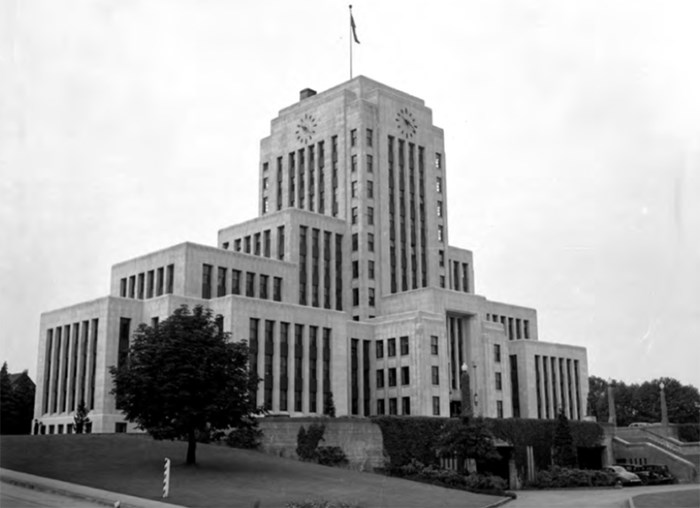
[
  {"x": 407, "y": 438},
  {"x": 689, "y": 432}
]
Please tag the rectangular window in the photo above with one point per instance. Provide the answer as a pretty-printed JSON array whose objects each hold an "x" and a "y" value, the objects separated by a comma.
[
  {"x": 370, "y": 297},
  {"x": 355, "y": 297},
  {"x": 353, "y": 137},
  {"x": 499, "y": 409},
  {"x": 264, "y": 279},
  {"x": 355, "y": 269},
  {"x": 370, "y": 189},
  {"x": 237, "y": 245},
  {"x": 438, "y": 160},
  {"x": 354, "y": 215},
  {"x": 277, "y": 289},
  {"x": 353, "y": 189},
  {"x": 370, "y": 242},
  {"x": 391, "y": 347},
  {"x": 393, "y": 408},
  {"x": 122, "y": 288},
  {"x": 150, "y": 283},
  {"x": 169, "y": 278},
  {"x": 405, "y": 378},
  {"x": 355, "y": 242},
  {"x": 436, "y": 406},
  {"x": 370, "y": 164},
  {"x": 266, "y": 243},
  {"x": 406, "y": 406},
  {"x": 246, "y": 244},
  {"x": 433, "y": 344},
  {"x": 439, "y": 209},
  {"x": 370, "y": 215},
  {"x": 499, "y": 381},
  {"x": 370, "y": 269},
  {"x": 298, "y": 365},
  {"x": 404, "y": 345},
  {"x": 280, "y": 242},
  {"x": 235, "y": 282},
  {"x": 392, "y": 376},
  {"x": 221, "y": 281},
  {"x": 369, "y": 137},
  {"x": 206, "y": 280},
  {"x": 435, "y": 374},
  {"x": 441, "y": 257},
  {"x": 160, "y": 275},
  {"x": 380, "y": 406},
  {"x": 142, "y": 284},
  {"x": 256, "y": 243},
  {"x": 441, "y": 233},
  {"x": 380, "y": 349},
  {"x": 250, "y": 284},
  {"x": 132, "y": 286},
  {"x": 438, "y": 185},
  {"x": 353, "y": 163},
  {"x": 497, "y": 353},
  {"x": 380, "y": 378}
]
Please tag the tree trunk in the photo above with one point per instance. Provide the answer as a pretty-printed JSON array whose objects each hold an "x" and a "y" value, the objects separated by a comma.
[{"x": 191, "y": 447}]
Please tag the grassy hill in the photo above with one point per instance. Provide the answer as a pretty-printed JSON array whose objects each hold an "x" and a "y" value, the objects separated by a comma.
[{"x": 224, "y": 477}]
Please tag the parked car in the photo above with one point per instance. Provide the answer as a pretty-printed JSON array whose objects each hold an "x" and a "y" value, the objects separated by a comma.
[
  {"x": 656, "y": 474},
  {"x": 622, "y": 476}
]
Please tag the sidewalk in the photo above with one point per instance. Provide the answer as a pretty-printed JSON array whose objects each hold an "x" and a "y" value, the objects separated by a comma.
[{"x": 79, "y": 491}]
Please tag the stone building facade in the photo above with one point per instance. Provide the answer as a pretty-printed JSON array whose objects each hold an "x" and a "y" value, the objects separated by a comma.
[{"x": 345, "y": 283}]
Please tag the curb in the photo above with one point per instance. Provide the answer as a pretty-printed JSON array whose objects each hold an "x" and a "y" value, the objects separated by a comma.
[
  {"x": 501, "y": 502},
  {"x": 76, "y": 491}
]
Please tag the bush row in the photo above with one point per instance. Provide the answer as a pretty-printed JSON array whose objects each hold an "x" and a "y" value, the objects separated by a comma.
[
  {"x": 417, "y": 471},
  {"x": 560, "y": 477}
]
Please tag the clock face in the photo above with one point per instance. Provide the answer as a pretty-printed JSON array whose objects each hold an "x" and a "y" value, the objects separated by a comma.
[
  {"x": 306, "y": 128},
  {"x": 406, "y": 123}
]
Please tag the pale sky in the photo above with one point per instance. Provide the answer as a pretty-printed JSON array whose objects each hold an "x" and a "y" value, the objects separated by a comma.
[{"x": 572, "y": 132}]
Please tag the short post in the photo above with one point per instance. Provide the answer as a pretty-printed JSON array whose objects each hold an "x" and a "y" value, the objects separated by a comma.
[{"x": 166, "y": 478}]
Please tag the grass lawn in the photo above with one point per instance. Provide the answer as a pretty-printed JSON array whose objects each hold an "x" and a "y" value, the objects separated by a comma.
[
  {"x": 224, "y": 477},
  {"x": 673, "y": 499}
]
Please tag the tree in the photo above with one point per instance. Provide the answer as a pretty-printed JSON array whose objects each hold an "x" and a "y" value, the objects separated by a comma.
[
  {"x": 184, "y": 376},
  {"x": 23, "y": 391},
  {"x": 564, "y": 454},
  {"x": 81, "y": 418},
  {"x": 8, "y": 408},
  {"x": 329, "y": 405},
  {"x": 469, "y": 438}
]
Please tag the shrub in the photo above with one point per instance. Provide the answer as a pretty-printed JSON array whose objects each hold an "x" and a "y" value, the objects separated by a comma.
[
  {"x": 247, "y": 435},
  {"x": 484, "y": 482},
  {"x": 689, "y": 432},
  {"x": 307, "y": 441},
  {"x": 562, "y": 477},
  {"x": 409, "y": 438},
  {"x": 449, "y": 478},
  {"x": 331, "y": 456}
]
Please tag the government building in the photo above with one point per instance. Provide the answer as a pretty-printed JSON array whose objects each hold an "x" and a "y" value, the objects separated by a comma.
[{"x": 345, "y": 284}]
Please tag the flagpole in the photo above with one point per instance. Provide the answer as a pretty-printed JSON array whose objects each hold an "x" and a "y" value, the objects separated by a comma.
[{"x": 350, "y": 40}]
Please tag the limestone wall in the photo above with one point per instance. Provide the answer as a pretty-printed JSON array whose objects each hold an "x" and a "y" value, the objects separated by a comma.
[{"x": 359, "y": 438}]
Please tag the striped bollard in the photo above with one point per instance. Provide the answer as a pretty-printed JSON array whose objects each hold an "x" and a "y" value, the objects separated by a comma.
[{"x": 166, "y": 478}]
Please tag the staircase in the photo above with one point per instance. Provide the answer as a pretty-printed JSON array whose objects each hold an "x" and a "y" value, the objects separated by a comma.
[{"x": 631, "y": 445}]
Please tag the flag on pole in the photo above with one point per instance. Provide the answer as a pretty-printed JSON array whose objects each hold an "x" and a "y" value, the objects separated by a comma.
[{"x": 352, "y": 25}]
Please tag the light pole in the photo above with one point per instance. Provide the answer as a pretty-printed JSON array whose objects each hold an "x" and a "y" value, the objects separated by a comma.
[
  {"x": 664, "y": 408},
  {"x": 612, "y": 416},
  {"x": 466, "y": 398}
]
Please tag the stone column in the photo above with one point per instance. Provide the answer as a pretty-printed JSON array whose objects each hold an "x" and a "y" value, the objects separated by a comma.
[
  {"x": 612, "y": 418},
  {"x": 664, "y": 408}
]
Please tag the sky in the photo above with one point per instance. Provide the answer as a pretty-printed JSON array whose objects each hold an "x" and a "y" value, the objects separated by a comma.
[{"x": 572, "y": 139}]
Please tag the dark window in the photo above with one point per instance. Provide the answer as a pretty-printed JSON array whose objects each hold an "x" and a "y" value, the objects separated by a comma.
[
  {"x": 370, "y": 163},
  {"x": 159, "y": 281},
  {"x": 434, "y": 344},
  {"x": 435, "y": 374},
  {"x": 353, "y": 215},
  {"x": 355, "y": 242},
  {"x": 277, "y": 289},
  {"x": 355, "y": 269},
  {"x": 250, "y": 284},
  {"x": 225, "y": 245},
  {"x": 150, "y": 282},
  {"x": 257, "y": 244},
  {"x": 380, "y": 349},
  {"x": 393, "y": 407},
  {"x": 369, "y": 137},
  {"x": 353, "y": 189},
  {"x": 404, "y": 345},
  {"x": 263, "y": 286},
  {"x": 141, "y": 287},
  {"x": 499, "y": 409},
  {"x": 499, "y": 381},
  {"x": 370, "y": 242},
  {"x": 280, "y": 242},
  {"x": 392, "y": 376},
  {"x": 221, "y": 281},
  {"x": 235, "y": 282},
  {"x": 370, "y": 297},
  {"x": 436, "y": 406},
  {"x": 353, "y": 137},
  {"x": 266, "y": 243},
  {"x": 355, "y": 297},
  {"x": 380, "y": 406},
  {"x": 370, "y": 189},
  {"x": 380, "y": 378},
  {"x": 405, "y": 378},
  {"x": 391, "y": 347},
  {"x": 370, "y": 215},
  {"x": 370, "y": 269},
  {"x": 206, "y": 280},
  {"x": 169, "y": 278},
  {"x": 406, "y": 405},
  {"x": 497, "y": 353},
  {"x": 122, "y": 288},
  {"x": 353, "y": 163}
]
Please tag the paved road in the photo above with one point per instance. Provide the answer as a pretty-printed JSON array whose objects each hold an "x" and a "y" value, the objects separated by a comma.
[
  {"x": 13, "y": 496},
  {"x": 586, "y": 498}
]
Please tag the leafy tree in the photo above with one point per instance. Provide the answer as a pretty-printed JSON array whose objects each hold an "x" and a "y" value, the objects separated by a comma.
[
  {"x": 564, "y": 454},
  {"x": 185, "y": 376},
  {"x": 23, "y": 395},
  {"x": 8, "y": 409},
  {"x": 470, "y": 438},
  {"x": 308, "y": 440},
  {"x": 81, "y": 418}
]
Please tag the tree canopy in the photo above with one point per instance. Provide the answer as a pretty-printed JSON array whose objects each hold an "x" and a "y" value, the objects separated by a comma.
[
  {"x": 185, "y": 376},
  {"x": 642, "y": 402},
  {"x": 17, "y": 404},
  {"x": 563, "y": 451}
]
